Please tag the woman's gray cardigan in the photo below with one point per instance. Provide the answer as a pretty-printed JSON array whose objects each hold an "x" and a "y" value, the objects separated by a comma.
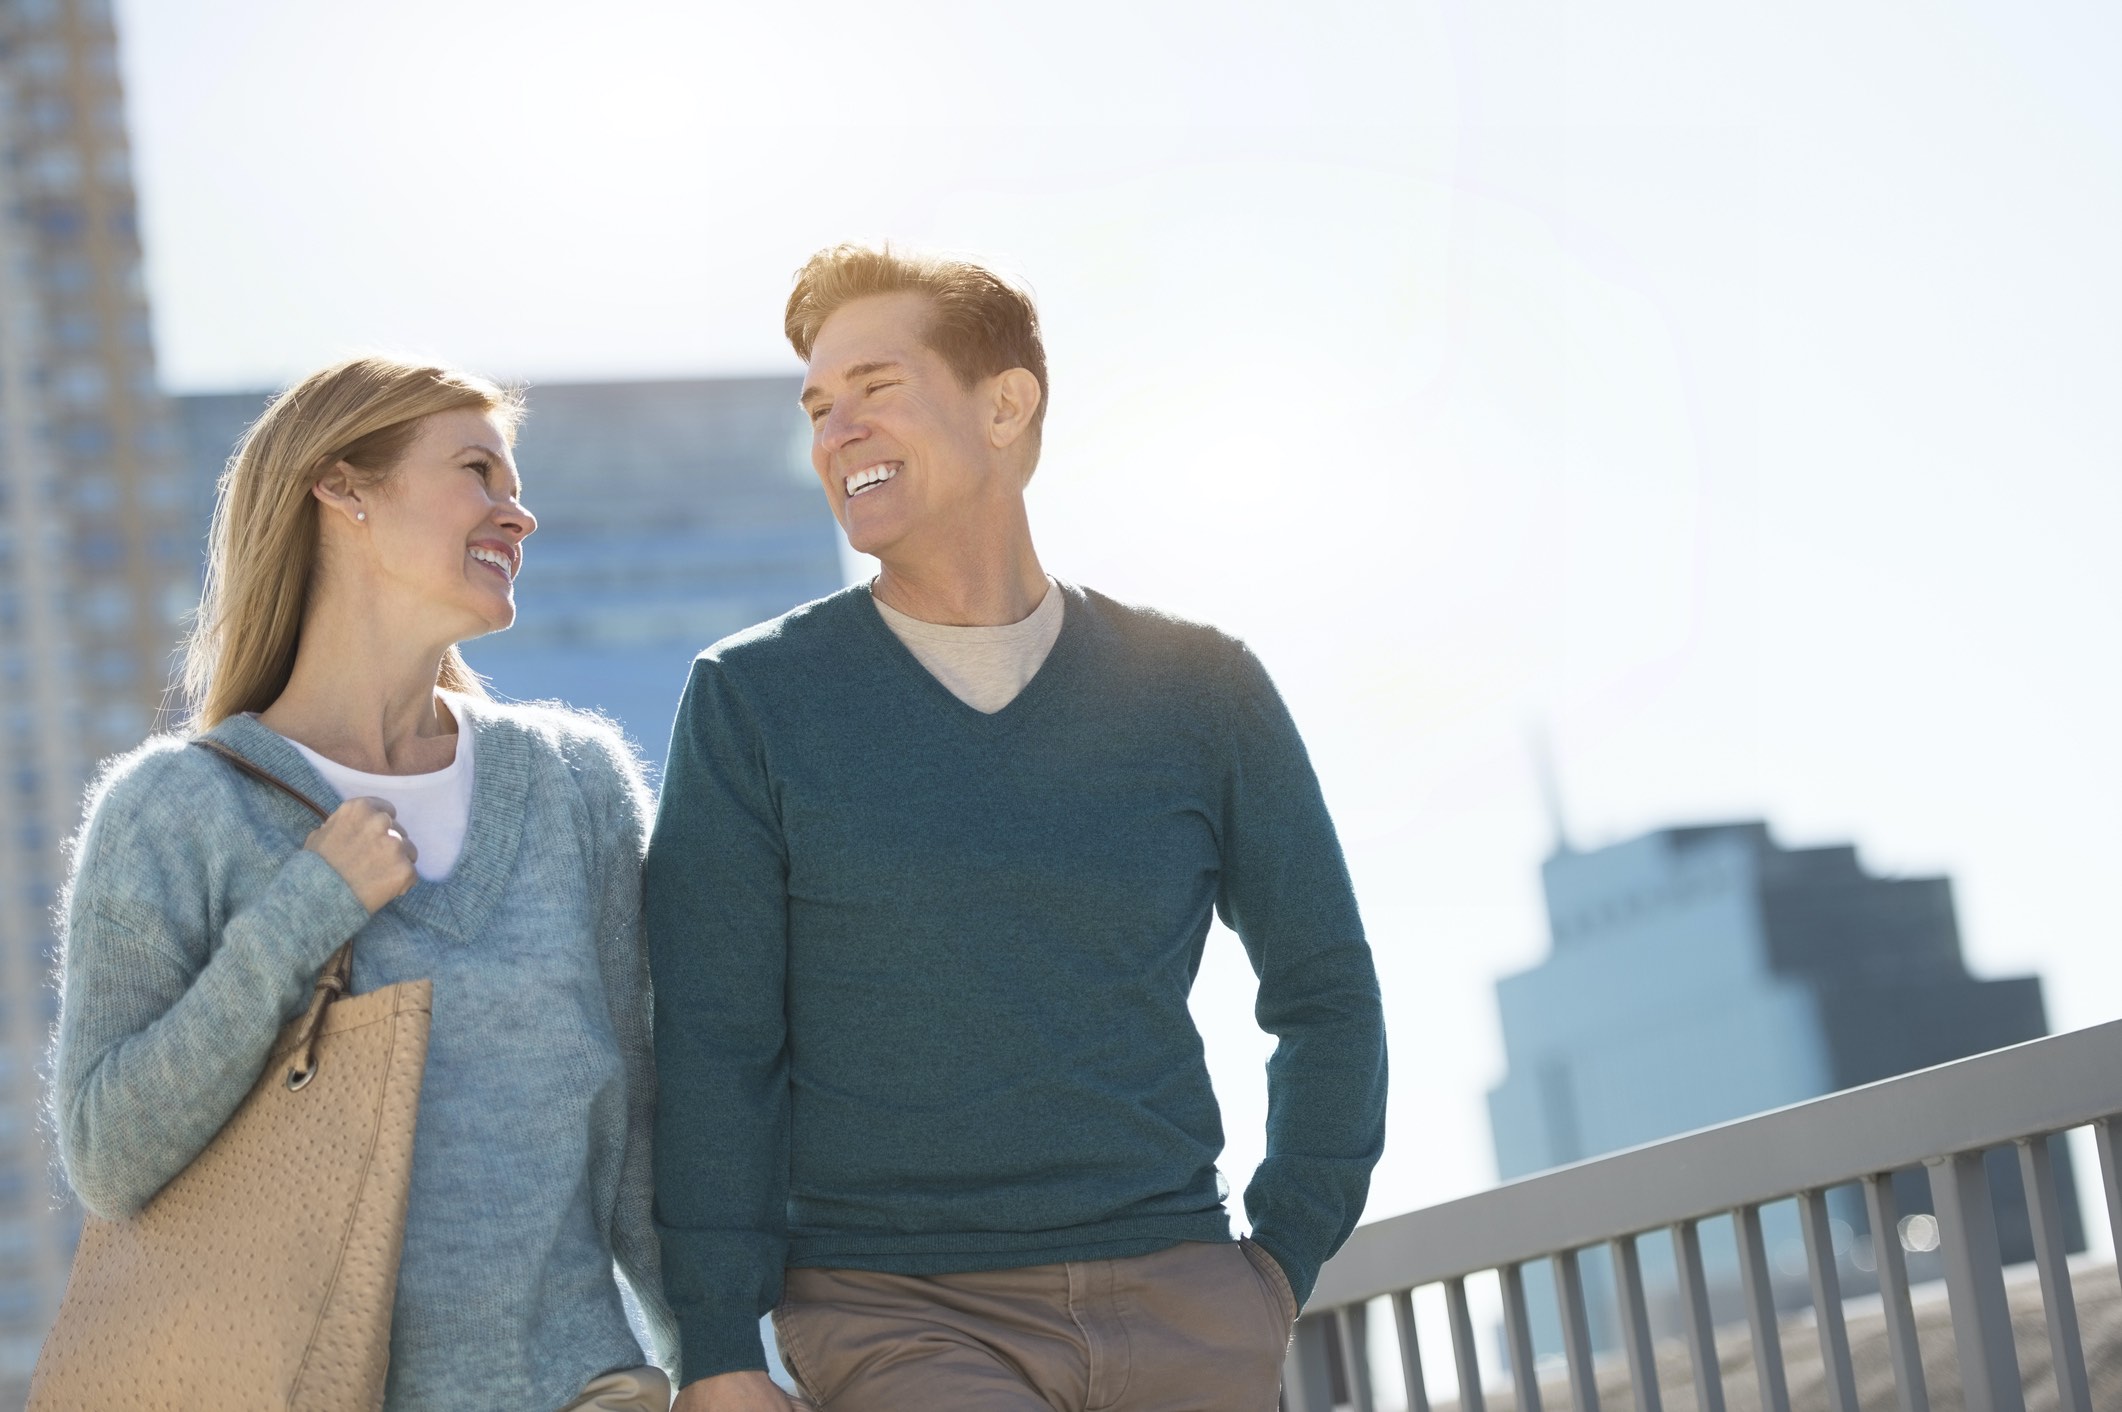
[{"x": 195, "y": 924}]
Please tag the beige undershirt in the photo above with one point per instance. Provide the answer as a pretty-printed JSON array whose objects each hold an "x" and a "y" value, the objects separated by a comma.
[{"x": 983, "y": 667}]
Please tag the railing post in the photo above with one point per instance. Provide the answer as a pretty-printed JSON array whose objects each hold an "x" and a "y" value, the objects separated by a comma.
[
  {"x": 1355, "y": 1353},
  {"x": 1635, "y": 1324},
  {"x": 1518, "y": 1335},
  {"x": 1307, "y": 1383},
  {"x": 1416, "y": 1388},
  {"x": 1694, "y": 1309},
  {"x": 2037, "y": 1173},
  {"x": 1576, "y": 1334},
  {"x": 1839, "y": 1379},
  {"x": 1465, "y": 1357},
  {"x": 2107, "y": 1134},
  {"x": 1761, "y": 1310},
  {"x": 1885, "y": 1212},
  {"x": 1974, "y": 1282}
]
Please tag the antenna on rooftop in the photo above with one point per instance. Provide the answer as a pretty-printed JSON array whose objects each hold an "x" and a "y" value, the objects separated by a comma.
[{"x": 1550, "y": 785}]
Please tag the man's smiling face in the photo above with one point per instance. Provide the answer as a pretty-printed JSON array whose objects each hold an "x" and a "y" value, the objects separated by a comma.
[{"x": 899, "y": 443}]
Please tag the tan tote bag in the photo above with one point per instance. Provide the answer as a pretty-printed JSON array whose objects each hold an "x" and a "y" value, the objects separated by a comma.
[{"x": 262, "y": 1276}]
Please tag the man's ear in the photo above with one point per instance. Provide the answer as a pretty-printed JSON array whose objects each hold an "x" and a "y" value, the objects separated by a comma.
[
  {"x": 335, "y": 491},
  {"x": 1016, "y": 399}
]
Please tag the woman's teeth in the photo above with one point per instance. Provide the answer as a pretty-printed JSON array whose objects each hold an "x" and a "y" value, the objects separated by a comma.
[{"x": 498, "y": 560}]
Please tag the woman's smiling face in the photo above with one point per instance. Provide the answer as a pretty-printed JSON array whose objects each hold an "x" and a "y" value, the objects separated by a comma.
[{"x": 446, "y": 527}]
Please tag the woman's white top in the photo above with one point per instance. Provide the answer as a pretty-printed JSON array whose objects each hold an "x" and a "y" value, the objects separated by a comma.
[{"x": 434, "y": 809}]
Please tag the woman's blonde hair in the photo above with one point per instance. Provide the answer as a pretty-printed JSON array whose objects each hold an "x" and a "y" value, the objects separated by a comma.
[{"x": 262, "y": 557}]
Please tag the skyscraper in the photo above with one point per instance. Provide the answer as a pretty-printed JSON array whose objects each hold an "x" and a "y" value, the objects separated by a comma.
[
  {"x": 1700, "y": 975},
  {"x": 94, "y": 563}
]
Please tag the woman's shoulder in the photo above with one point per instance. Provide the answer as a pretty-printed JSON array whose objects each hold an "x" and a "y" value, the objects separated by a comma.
[
  {"x": 162, "y": 773},
  {"x": 148, "y": 805},
  {"x": 591, "y": 746}
]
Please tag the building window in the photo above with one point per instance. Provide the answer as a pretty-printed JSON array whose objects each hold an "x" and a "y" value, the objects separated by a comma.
[
  {"x": 17, "y": 1301},
  {"x": 105, "y": 608},
  {"x": 172, "y": 548},
  {"x": 60, "y": 220},
  {"x": 100, "y": 549},
  {"x": 70, "y": 274},
  {"x": 165, "y": 490},
  {"x": 81, "y": 385},
  {"x": 56, "y": 169},
  {"x": 74, "y": 330},
  {"x": 121, "y": 720},
  {"x": 43, "y": 60},
  {"x": 50, "y": 114},
  {"x": 113, "y": 669},
  {"x": 180, "y": 597},
  {"x": 89, "y": 438}
]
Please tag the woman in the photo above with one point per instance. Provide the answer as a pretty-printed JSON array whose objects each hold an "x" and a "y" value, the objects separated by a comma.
[{"x": 370, "y": 522}]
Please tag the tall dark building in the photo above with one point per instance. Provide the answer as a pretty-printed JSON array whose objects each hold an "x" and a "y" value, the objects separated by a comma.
[{"x": 1700, "y": 975}]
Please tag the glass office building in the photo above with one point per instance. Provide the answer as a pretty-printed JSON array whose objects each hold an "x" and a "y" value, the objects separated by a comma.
[{"x": 1700, "y": 975}]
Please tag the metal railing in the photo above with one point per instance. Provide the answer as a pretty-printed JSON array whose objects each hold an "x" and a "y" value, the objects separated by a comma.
[{"x": 1942, "y": 1120}]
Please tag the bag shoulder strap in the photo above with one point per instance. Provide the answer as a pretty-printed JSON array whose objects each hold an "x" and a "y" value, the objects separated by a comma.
[
  {"x": 337, "y": 977},
  {"x": 261, "y": 774}
]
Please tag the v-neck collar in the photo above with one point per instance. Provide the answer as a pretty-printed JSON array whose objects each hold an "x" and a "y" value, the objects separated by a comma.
[
  {"x": 460, "y": 903},
  {"x": 1044, "y": 683}
]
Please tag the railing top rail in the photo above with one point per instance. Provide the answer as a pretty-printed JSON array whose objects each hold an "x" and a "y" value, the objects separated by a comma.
[{"x": 2041, "y": 1086}]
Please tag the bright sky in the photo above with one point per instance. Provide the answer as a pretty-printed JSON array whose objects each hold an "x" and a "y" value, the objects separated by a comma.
[{"x": 1729, "y": 388}]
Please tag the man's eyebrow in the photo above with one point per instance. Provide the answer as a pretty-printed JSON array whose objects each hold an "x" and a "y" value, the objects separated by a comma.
[{"x": 814, "y": 392}]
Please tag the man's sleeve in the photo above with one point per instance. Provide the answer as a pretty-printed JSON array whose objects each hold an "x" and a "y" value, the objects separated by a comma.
[
  {"x": 716, "y": 904},
  {"x": 1286, "y": 892}
]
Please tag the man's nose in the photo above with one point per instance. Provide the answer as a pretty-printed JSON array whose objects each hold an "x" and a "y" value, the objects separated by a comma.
[{"x": 838, "y": 429}]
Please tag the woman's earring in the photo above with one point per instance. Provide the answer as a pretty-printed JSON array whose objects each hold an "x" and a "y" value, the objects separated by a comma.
[{"x": 360, "y": 514}]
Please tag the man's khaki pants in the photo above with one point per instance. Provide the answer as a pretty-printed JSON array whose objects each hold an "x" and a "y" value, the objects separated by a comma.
[{"x": 1196, "y": 1328}]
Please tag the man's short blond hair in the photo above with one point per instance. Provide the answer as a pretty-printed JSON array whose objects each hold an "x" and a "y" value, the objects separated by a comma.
[{"x": 979, "y": 323}]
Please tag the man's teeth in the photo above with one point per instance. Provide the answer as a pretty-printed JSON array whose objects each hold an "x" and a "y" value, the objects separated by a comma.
[
  {"x": 863, "y": 480},
  {"x": 498, "y": 560}
]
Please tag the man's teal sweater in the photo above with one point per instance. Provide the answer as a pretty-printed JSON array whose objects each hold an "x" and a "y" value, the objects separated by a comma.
[{"x": 921, "y": 973}]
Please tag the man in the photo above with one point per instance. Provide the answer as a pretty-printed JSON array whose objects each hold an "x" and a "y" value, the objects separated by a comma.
[{"x": 934, "y": 866}]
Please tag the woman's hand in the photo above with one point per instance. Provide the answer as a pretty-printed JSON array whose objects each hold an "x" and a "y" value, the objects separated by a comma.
[{"x": 362, "y": 842}]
